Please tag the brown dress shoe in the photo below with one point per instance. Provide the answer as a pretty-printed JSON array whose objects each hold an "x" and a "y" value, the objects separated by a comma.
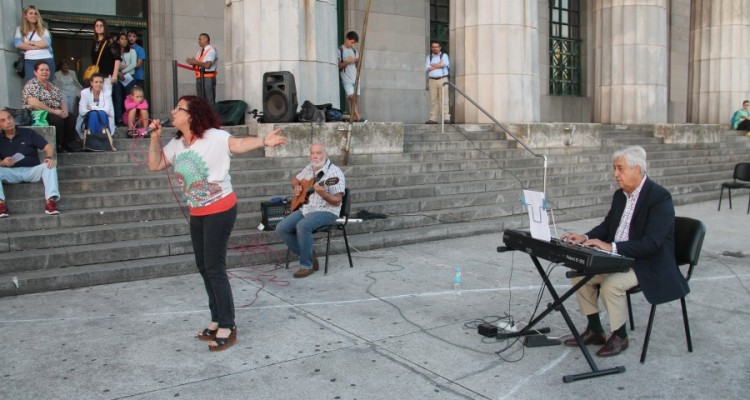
[
  {"x": 316, "y": 264},
  {"x": 614, "y": 346},
  {"x": 589, "y": 337},
  {"x": 303, "y": 272}
]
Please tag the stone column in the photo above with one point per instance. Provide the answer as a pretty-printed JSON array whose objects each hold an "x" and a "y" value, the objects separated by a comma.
[
  {"x": 11, "y": 84},
  {"x": 495, "y": 57},
  {"x": 285, "y": 35},
  {"x": 631, "y": 61},
  {"x": 719, "y": 60}
]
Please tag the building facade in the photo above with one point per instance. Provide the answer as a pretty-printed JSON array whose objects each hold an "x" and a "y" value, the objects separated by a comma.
[{"x": 525, "y": 61}]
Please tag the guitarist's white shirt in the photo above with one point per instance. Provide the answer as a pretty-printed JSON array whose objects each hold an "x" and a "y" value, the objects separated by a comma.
[{"x": 317, "y": 203}]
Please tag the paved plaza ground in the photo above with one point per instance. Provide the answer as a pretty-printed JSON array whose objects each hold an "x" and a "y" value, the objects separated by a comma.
[{"x": 390, "y": 328}]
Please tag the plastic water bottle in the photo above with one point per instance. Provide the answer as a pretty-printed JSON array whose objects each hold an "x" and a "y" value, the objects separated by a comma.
[{"x": 457, "y": 282}]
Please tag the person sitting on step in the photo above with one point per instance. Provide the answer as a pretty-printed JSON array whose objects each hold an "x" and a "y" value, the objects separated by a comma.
[
  {"x": 741, "y": 118},
  {"x": 19, "y": 162},
  {"x": 136, "y": 111},
  {"x": 323, "y": 190}
]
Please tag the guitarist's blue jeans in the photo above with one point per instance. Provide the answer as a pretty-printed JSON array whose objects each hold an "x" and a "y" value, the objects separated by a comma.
[{"x": 296, "y": 230}]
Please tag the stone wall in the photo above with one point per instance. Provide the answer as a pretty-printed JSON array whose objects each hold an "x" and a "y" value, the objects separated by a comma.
[{"x": 370, "y": 138}]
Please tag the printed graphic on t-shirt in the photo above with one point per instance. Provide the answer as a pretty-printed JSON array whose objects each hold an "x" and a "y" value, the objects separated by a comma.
[{"x": 191, "y": 172}]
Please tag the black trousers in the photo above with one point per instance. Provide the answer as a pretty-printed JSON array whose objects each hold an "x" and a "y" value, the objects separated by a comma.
[
  {"x": 744, "y": 126},
  {"x": 210, "y": 237},
  {"x": 65, "y": 129}
]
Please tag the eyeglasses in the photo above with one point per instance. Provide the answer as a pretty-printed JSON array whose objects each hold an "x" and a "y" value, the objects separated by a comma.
[{"x": 178, "y": 108}]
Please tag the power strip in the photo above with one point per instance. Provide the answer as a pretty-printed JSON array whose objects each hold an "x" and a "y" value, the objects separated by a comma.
[{"x": 506, "y": 326}]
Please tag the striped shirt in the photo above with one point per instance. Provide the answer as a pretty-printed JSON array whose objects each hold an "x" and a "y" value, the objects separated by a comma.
[{"x": 623, "y": 230}]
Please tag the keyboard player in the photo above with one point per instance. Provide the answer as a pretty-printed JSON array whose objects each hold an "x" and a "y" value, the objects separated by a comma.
[{"x": 639, "y": 225}]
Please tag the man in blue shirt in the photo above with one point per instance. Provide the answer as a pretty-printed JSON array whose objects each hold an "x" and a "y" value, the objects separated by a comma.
[
  {"x": 138, "y": 74},
  {"x": 19, "y": 162}
]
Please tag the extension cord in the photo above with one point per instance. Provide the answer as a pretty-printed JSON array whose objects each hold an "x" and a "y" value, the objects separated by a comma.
[{"x": 506, "y": 326}]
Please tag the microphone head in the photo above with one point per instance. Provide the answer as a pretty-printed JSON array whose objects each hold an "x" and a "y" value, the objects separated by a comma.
[{"x": 161, "y": 123}]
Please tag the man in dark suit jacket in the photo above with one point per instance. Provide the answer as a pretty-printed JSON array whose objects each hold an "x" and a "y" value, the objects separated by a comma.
[{"x": 639, "y": 225}]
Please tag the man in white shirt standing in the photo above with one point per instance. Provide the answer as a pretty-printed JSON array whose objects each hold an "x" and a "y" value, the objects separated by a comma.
[
  {"x": 206, "y": 59},
  {"x": 437, "y": 66}
]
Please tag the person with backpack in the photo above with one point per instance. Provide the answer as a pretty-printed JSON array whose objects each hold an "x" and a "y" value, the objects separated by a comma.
[
  {"x": 348, "y": 59},
  {"x": 437, "y": 66}
]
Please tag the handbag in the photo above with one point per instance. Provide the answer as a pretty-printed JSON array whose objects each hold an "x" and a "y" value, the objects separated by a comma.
[
  {"x": 21, "y": 116},
  {"x": 96, "y": 136},
  {"x": 93, "y": 69},
  {"x": 39, "y": 118},
  {"x": 20, "y": 65}
]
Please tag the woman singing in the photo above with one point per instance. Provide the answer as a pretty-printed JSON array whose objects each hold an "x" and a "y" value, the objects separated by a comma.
[{"x": 200, "y": 153}]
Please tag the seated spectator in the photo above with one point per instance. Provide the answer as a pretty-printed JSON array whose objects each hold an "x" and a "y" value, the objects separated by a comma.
[
  {"x": 19, "y": 162},
  {"x": 741, "y": 118},
  {"x": 41, "y": 94},
  {"x": 35, "y": 41},
  {"x": 68, "y": 83},
  {"x": 136, "y": 108},
  {"x": 95, "y": 106}
]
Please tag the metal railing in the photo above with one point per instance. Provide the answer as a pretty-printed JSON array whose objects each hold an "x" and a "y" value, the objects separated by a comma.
[{"x": 519, "y": 141}]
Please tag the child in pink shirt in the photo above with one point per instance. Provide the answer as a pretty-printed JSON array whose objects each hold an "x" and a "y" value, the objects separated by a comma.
[{"x": 136, "y": 107}]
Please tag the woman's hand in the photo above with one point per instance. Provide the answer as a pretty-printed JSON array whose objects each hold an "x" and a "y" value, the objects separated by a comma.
[
  {"x": 155, "y": 128},
  {"x": 273, "y": 139}
]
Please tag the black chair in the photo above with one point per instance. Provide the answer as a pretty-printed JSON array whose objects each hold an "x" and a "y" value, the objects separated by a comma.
[
  {"x": 340, "y": 226},
  {"x": 689, "y": 234},
  {"x": 741, "y": 181}
]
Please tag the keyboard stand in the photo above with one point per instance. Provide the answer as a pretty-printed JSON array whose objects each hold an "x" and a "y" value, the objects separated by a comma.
[{"x": 557, "y": 305}]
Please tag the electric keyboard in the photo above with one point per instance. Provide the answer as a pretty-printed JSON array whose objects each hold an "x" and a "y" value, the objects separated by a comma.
[{"x": 580, "y": 258}]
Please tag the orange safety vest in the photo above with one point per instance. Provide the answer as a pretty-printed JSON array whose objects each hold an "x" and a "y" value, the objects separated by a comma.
[{"x": 208, "y": 74}]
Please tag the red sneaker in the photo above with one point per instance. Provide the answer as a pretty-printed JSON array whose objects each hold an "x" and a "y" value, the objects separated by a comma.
[
  {"x": 3, "y": 210},
  {"x": 51, "y": 207}
]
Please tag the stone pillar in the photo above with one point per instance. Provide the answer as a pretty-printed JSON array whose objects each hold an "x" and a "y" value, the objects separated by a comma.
[
  {"x": 719, "y": 60},
  {"x": 631, "y": 61},
  {"x": 495, "y": 57},
  {"x": 11, "y": 84},
  {"x": 285, "y": 35}
]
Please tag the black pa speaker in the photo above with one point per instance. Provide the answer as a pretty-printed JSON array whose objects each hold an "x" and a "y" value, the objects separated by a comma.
[{"x": 279, "y": 97}]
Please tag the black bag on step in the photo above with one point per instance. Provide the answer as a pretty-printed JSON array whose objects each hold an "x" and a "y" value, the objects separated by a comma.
[
  {"x": 306, "y": 112},
  {"x": 96, "y": 136}
]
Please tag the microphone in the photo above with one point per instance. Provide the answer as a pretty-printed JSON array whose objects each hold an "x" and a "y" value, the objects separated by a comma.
[{"x": 149, "y": 130}]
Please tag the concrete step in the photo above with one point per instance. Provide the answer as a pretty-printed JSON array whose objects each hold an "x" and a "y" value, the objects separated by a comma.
[
  {"x": 457, "y": 145},
  {"x": 121, "y": 222}
]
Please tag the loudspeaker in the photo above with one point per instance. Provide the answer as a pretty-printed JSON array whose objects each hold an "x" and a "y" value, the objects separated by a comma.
[{"x": 279, "y": 97}]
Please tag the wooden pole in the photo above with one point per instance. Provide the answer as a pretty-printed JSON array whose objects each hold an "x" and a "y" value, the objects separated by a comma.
[{"x": 356, "y": 82}]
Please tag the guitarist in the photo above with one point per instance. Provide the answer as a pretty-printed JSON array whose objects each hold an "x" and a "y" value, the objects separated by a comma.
[{"x": 322, "y": 207}]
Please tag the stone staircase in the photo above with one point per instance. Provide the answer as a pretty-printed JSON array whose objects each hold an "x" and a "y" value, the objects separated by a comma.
[{"x": 120, "y": 222}]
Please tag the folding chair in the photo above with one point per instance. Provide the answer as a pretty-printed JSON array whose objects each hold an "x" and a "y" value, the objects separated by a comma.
[{"x": 689, "y": 234}]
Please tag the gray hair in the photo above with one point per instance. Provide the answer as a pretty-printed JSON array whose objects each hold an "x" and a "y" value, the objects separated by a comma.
[
  {"x": 633, "y": 156},
  {"x": 325, "y": 148}
]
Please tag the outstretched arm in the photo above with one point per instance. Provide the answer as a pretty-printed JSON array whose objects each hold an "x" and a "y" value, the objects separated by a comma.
[{"x": 243, "y": 145}]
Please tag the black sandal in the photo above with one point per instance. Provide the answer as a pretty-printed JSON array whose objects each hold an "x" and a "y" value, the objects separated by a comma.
[
  {"x": 207, "y": 335},
  {"x": 224, "y": 343}
]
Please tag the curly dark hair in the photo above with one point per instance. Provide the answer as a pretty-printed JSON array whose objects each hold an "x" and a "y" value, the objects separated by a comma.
[{"x": 202, "y": 116}]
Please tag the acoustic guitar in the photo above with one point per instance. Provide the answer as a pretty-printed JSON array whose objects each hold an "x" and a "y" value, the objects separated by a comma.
[{"x": 308, "y": 188}]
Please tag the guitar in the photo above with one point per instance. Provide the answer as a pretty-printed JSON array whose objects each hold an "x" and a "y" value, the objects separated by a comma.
[{"x": 308, "y": 188}]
